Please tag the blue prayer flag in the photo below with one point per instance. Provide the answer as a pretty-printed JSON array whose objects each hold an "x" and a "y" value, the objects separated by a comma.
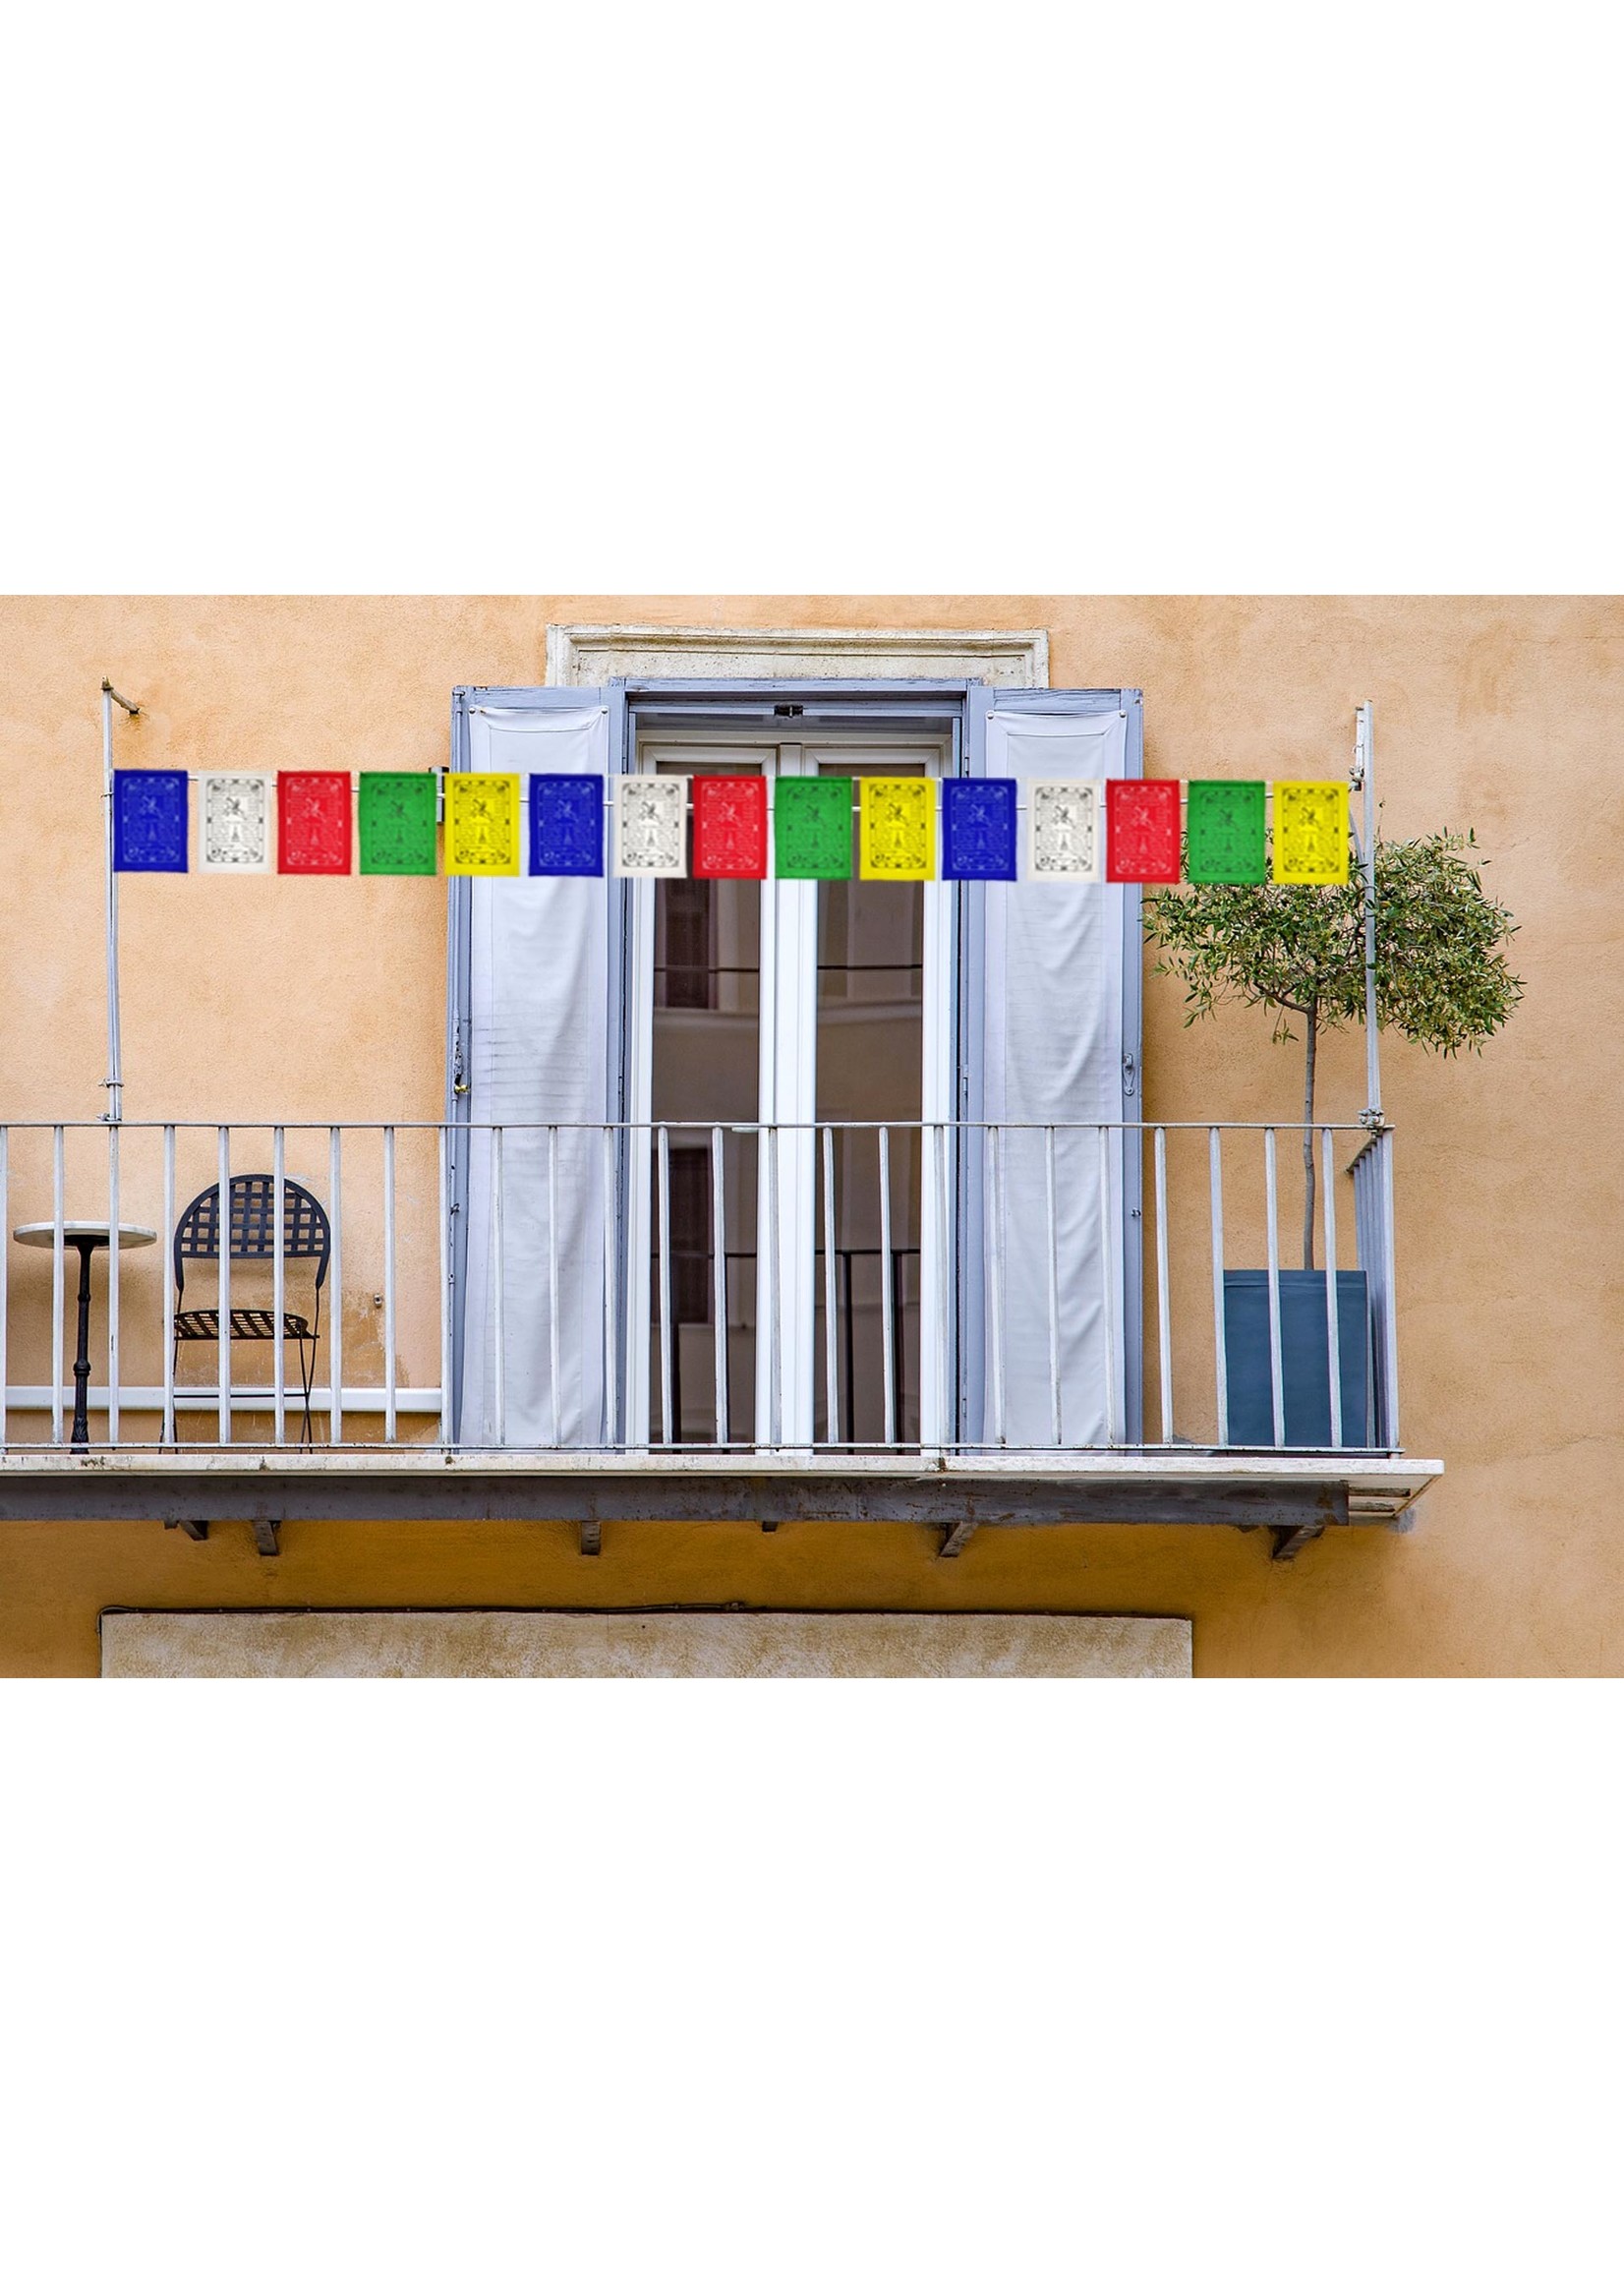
[
  {"x": 150, "y": 823},
  {"x": 566, "y": 825},
  {"x": 978, "y": 829}
]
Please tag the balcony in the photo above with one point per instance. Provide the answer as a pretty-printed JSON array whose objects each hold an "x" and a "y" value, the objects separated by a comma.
[{"x": 959, "y": 1325}]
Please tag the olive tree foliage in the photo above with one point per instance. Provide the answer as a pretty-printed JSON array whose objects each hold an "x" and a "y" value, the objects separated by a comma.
[{"x": 1442, "y": 978}]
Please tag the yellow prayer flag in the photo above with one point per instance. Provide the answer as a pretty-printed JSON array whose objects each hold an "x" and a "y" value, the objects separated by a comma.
[
  {"x": 896, "y": 832},
  {"x": 1310, "y": 832},
  {"x": 483, "y": 836}
]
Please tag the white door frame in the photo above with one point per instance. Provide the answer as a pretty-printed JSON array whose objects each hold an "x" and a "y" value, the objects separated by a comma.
[{"x": 788, "y": 1165}]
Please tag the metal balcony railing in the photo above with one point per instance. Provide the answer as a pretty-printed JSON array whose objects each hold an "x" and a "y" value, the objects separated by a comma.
[{"x": 738, "y": 1287}]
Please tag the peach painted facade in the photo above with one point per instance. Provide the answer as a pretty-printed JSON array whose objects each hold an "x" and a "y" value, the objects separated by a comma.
[{"x": 294, "y": 999}]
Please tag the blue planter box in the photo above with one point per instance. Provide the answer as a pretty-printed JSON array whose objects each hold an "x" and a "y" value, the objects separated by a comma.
[{"x": 1304, "y": 1358}]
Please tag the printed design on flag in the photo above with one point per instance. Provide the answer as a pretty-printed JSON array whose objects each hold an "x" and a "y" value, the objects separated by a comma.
[
  {"x": 234, "y": 822},
  {"x": 398, "y": 815},
  {"x": 1062, "y": 832},
  {"x": 649, "y": 816},
  {"x": 566, "y": 825},
  {"x": 894, "y": 828},
  {"x": 1224, "y": 833},
  {"x": 1310, "y": 832},
  {"x": 313, "y": 824},
  {"x": 978, "y": 829},
  {"x": 812, "y": 826},
  {"x": 482, "y": 825},
  {"x": 729, "y": 825},
  {"x": 149, "y": 818},
  {"x": 1141, "y": 833}
]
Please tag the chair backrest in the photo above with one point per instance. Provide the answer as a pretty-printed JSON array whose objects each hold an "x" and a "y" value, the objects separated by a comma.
[{"x": 306, "y": 1232}]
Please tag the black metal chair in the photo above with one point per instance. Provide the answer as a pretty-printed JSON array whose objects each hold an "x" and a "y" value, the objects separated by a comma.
[{"x": 306, "y": 1236}]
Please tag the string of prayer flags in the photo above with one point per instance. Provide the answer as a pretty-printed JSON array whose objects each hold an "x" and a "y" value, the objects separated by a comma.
[
  {"x": 1225, "y": 834},
  {"x": 234, "y": 823},
  {"x": 149, "y": 818},
  {"x": 1141, "y": 833},
  {"x": 312, "y": 824},
  {"x": 812, "y": 826},
  {"x": 895, "y": 816},
  {"x": 650, "y": 837},
  {"x": 1077, "y": 830},
  {"x": 1064, "y": 832},
  {"x": 729, "y": 825},
  {"x": 398, "y": 815},
  {"x": 1310, "y": 832},
  {"x": 566, "y": 825},
  {"x": 978, "y": 829},
  {"x": 482, "y": 825}
]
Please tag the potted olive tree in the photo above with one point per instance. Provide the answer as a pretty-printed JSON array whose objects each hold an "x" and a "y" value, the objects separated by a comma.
[{"x": 1442, "y": 980}]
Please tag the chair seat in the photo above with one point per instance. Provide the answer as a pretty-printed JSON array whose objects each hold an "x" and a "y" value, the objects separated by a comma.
[{"x": 247, "y": 1325}]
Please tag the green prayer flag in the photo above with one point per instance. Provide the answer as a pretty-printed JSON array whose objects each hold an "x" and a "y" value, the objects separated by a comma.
[
  {"x": 1224, "y": 833},
  {"x": 397, "y": 824},
  {"x": 812, "y": 826}
]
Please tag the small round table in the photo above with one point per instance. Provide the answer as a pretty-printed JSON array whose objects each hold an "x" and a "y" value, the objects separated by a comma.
[{"x": 87, "y": 1238}]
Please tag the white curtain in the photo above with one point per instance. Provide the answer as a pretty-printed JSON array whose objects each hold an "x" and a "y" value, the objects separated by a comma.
[
  {"x": 539, "y": 1052},
  {"x": 1053, "y": 1045}
]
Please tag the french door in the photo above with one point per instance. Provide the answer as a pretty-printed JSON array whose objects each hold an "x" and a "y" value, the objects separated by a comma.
[{"x": 791, "y": 1067}]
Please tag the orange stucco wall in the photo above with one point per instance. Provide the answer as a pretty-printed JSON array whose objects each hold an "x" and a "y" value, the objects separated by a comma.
[{"x": 312, "y": 998}]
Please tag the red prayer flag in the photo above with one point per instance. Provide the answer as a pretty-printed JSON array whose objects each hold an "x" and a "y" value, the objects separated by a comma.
[
  {"x": 729, "y": 825},
  {"x": 1141, "y": 845},
  {"x": 313, "y": 820}
]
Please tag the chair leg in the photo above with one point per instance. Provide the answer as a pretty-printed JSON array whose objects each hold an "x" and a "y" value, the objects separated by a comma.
[{"x": 307, "y": 1378}]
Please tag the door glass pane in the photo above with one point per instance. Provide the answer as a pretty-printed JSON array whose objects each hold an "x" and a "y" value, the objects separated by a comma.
[
  {"x": 706, "y": 1068},
  {"x": 870, "y": 1068}
]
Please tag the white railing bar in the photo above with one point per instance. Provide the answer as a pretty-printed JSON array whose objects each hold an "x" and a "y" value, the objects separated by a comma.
[
  {"x": 831, "y": 1316},
  {"x": 360, "y": 1128},
  {"x": 1277, "y": 1379},
  {"x": 1390, "y": 1313},
  {"x": 147, "y": 1398},
  {"x": 390, "y": 1366},
  {"x": 1108, "y": 1291},
  {"x": 336, "y": 1280},
  {"x": 1220, "y": 1345},
  {"x": 887, "y": 1325},
  {"x": 498, "y": 1270},
  {"x": 442, "y": 1167},
  {"x": 114, "y": 1201},
  {"x": 945, "y": 1428},
  {"x": 1333, "y": 1322},
  {"x": 718, "y": 1278},
  {"x": 5, "y": 1288},
  {"x": 663, "y": 1158},
  {"x": 167, "y": 1268},
  {"x": 995, "y": 1279},
  {"x": 1164, "y": 1322},
  {"x": 774, "y": 1283},
  {"x": 59, "y": 1178},
  {"x": 1057, "y": 1417},
  {"x": 612, "y": 1295},
  {"x": 222, "y": 1277},
  {"x": 278, "y": 1279},
  {"x": 552, "y": 1331}
]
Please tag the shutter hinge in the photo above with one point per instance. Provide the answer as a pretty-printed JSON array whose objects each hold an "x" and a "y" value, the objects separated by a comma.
[{"x": 1130, "y": 1075}]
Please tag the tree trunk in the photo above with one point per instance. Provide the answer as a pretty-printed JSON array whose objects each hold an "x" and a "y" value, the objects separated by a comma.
[{"x": 1310, "y": 1020}]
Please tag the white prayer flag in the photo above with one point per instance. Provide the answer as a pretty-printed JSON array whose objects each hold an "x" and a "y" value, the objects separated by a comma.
[
  {"x": 1065, "y": 832},
  {"x": 235, "y": 823},
  {"x": 650, "y": 825}
]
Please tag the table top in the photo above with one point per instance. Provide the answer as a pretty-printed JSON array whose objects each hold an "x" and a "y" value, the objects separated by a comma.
[{"x": 87, "y": 1229}]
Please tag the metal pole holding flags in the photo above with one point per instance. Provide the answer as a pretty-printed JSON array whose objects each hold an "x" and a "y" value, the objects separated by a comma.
[
  {"x": 114, "y": 1084},
  {"x": 1365, "y": 778}
]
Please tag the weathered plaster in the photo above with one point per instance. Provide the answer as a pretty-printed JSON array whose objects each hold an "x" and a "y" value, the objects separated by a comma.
[{"x": 657, "y": 1642}]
